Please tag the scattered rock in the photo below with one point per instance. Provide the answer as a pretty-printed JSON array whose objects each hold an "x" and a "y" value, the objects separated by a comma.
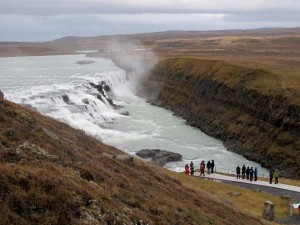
[
  {"x": 287, "y": 197},
  {"x": 51, "y": 134},
  {"x": 94, "y": 184},
  {"x": 235, "y": 194},
  {"x": 125, "y": 158},
  {"x": 109, "y": 155},
  {"x": 85, "y": 101},
  {"x": 1, "y": 95},
  {"x": 268, "y": 211},
  {"x": 105, "y": 92},
  {"x": 10, "y": 133},
  {"x": 31, "y": 151},
  {"x": 67, "y": 100},
  {"x": 160, "y": 157},
  {"x": 125, "y": 113}
]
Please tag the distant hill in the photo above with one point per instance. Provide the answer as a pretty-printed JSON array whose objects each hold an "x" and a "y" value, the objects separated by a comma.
[{"x": 179, "y": 33}]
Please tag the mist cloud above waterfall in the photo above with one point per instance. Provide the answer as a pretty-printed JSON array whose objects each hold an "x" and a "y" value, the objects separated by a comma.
[
  {"x": 134, "y": 58},
  {"x": 25, "y": 20}
]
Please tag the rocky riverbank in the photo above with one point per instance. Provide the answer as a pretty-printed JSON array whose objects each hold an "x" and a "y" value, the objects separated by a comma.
[{"x": 246, "y": 108}]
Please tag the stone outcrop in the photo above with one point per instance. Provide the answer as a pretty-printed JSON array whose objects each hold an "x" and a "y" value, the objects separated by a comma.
[
  {"x": 34, "y": 152},
  {"x": 245, "y": 108},
  {"x": 160, "y": 157},
  {"x": 105, "y": 94},
  {"x": 26, "y": 152},
  {"x": 268, "y": 211}
]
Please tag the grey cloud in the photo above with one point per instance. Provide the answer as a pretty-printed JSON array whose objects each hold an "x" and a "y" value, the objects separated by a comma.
[
  {"x": 50, "y": 7},
  {"x": 42, "y": 28},
  {"x": 49, "y": 19},
  {"x": 264, "y": 17}
]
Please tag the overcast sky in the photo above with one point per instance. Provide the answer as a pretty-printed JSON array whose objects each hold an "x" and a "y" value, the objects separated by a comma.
[{"x": 41, "y": 20}]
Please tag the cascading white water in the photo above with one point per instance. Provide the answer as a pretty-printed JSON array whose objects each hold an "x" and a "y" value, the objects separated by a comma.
[{"x": 61, "y": 88}]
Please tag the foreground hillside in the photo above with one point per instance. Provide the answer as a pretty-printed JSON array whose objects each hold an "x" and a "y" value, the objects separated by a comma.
[
  {"x": 53, "y": 174},
  {"x": 248, "y": 108}
]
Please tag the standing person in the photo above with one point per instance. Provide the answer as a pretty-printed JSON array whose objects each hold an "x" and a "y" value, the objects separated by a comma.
[
  {"x": 212, "y": 166},
  {"x": 255, "y": 174},
  {"x": 238, "y": 172},
  {"x": 202, "y": 168},
  {"x": 208, "y": 165},
  {"x": 243, "y": 171},
  {"x": 247, "y": 172},
  {"x": 276, "y": 174},
  {"x": 187, "y": 170},
  {"x": 271, "y": 176},
  {"x": 251, "y": 172},
  {"x": 192, "y": 168}
]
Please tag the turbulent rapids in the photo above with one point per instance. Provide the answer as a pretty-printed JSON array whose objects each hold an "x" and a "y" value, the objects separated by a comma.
[{"x": 99, "y": 98}]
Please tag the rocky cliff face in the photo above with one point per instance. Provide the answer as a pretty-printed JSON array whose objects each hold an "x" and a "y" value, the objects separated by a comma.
[{"x": 245, "y": 108}]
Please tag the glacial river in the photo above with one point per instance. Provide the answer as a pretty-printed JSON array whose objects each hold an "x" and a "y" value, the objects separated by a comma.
[{"x": 59, "y": 87}]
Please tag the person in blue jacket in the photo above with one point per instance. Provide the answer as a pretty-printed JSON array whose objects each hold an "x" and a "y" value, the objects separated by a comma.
[{"x": 255, "y": 174}]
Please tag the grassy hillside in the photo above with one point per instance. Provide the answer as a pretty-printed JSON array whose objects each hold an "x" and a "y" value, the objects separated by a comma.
[
  {"x": 247, "y": 108},
  {"x": 53, "y": 174}
]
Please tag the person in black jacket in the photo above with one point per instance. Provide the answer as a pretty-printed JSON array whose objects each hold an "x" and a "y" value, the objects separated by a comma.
[
  {"x": 212, "y": 166},
  {"x": 238, "y": 172},
  {"x": 247, "y": 172},
  {"x": 208, "y": 165},
  {"x": 251, "y": 173},
  {"x": 271, "y": 176},
  {"x": 192, "y": 168},
  {"x": 243, "y": 171}
]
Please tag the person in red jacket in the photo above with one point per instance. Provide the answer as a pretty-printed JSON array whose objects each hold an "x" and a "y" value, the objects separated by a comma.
[
  {"x": 187, "y": 169},
  {"x": 202, "y": 168}
]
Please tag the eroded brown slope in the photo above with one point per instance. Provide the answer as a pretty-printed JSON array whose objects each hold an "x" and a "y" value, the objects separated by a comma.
[
  {"x": 246, "y": 108},
  {"x": 53, "y": 174}
]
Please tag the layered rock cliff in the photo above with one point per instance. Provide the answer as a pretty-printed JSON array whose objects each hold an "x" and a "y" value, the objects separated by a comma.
[{"x": 244, "y": 107}]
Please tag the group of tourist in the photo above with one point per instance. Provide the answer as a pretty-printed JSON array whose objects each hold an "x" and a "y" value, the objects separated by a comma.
[
  {"x": 274, "y": 174},
  {"x": 210, "y": 165},
  {"x": 249, "y": 173}
]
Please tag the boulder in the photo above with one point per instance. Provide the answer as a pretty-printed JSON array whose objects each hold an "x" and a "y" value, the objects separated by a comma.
[
  {"x": 1, "y": 95},
  {"x": 126, "y": 113},
  {"x": 160, "y": 157},
  {"x": 268, "y": 211},
  {"x": 67, "y": 100},
  {"x": 125, "y": 158}
]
